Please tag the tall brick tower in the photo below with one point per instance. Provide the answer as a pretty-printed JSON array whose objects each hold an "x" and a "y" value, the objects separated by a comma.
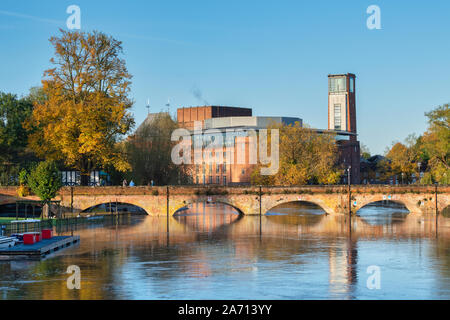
[{"x": 342, "y": 103}]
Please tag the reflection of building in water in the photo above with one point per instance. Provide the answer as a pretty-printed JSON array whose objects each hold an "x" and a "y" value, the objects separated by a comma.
[
  {"x": 343, "y": 258},
  {"x": 206, "y": 217}
]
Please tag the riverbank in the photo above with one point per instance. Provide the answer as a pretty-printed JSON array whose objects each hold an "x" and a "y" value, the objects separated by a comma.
[{"x": 9, "y": 219}]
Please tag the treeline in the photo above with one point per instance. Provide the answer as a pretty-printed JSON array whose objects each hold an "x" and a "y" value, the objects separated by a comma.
[{"x": 425, "y": 156}]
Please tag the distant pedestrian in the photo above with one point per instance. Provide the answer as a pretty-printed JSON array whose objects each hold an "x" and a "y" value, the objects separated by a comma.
[
  {"x": 124, "y": 183},
  {"x": 152, "y": 183},
  {"x": 131, "y": 183}
]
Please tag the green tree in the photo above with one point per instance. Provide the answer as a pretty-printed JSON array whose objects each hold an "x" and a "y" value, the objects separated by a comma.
[
  {"x": 45, "y": 181},
  {"x": 13, "y": 137},
  {"x": 436, "y": 143},
  {"x": 82, "y": 110},
  {"x": 13, "y": 112}
]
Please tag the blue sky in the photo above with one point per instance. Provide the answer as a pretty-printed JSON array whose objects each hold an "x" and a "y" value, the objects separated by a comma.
[{"x": 272, "y": 56}]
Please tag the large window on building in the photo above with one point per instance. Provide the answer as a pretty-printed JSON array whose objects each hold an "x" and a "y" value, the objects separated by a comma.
[
  {"x": 338, "y": 84},
  {"x": 352, "y": 84},
  {"x": 337, "y": 116}
]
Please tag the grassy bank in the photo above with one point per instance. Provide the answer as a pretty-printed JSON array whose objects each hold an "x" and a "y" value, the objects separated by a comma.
[{"x": 9, "y": 219}]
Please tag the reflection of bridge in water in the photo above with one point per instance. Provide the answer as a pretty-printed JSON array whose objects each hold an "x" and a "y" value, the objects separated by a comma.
[
  {"x": 223, "y": 220},
  {"x": 254, "y": 238}
]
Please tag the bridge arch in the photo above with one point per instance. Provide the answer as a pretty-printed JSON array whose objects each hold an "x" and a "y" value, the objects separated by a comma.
[
  {"x": 398, "y": 202},
  {"x": 299, "y": 202},
  {"x": 284, "y": 199},
  {"x": 121, "y": 207},
  {"x": 446, "y": 211},
  {"x": 187, "y": 203},
  {"x": 411, "y": 206}
]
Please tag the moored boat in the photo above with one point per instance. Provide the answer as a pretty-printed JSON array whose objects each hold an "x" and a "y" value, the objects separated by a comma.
[{"x": 7, "y": 242}]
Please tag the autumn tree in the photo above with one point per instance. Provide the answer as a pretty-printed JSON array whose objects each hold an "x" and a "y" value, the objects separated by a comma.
[
  {"x": 149, "y": 151},
  {"x": 305, "y": 157},
  {"x": 400, "y": 160},
  {"x": 83, "y": 109},
  {"x": 435, "y": 143}
]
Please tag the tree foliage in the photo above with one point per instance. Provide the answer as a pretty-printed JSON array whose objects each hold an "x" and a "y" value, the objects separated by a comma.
[
  {"x": 149, "y": 152},
  {"x": 429, "y": 152},
  {"x": 364, "y": 151},
  {"x": 13, "y": 138},
  {"x": 400, "y": 159},
  {"x": 45, "y": 180},
  {"x": 305, "y": 157},
  {"x": 83, "y": 108},
  {"x": 436, "y": 142}
]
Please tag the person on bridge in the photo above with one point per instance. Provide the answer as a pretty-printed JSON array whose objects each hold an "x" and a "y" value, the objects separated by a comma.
[
  {"x": 132, "y": 183},
  {"x": 124, "y": 183}
]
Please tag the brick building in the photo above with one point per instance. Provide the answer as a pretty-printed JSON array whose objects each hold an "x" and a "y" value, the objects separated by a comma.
[
  {"x": 236, "y": 167},
  {"x": 187, "y": 116}
]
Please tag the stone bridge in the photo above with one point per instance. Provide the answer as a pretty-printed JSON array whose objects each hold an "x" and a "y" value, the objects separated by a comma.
[{"x": 157, "y": 201}]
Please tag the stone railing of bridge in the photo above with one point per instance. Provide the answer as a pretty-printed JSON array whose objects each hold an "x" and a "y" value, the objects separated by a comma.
[{"x": 247, "y": 200}]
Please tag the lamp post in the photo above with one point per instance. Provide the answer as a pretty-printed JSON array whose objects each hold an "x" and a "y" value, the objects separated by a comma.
[
  {"x": 418, "y": 166},
  {"x": 436, "y": 197},
  {"x": 349, "y": 191}
]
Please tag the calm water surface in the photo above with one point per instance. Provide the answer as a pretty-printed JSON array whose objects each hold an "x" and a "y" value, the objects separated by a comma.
[{"x": 210, "y": 252}]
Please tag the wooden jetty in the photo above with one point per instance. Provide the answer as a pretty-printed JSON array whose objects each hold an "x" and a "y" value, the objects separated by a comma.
[{"x": 41, "y": 248}]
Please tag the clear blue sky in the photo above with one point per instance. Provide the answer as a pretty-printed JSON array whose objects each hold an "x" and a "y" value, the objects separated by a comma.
[{"x": 272, "y": 56}]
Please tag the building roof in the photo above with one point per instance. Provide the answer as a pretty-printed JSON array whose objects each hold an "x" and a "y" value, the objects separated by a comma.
[
  {"x": 341, "y": 75},
  {"x": 150, "y": 118},
  {"x": 254, "y": 122}
]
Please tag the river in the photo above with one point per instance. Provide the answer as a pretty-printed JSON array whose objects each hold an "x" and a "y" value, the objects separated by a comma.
[{"x": 210, "y": 252}]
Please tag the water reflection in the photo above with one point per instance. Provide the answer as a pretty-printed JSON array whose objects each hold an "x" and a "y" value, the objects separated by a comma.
[
  {"x": 296, "y": 213},
  {"x": 207, "y": 217},
  {"x": 383, "y": 213},
  {"x": 214, "y": 253}
]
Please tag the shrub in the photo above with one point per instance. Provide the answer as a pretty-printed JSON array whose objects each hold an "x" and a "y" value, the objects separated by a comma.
[{"x": 45, "y": 180}]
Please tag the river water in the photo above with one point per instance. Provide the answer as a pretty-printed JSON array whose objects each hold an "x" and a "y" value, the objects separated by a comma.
[{"x": 210, "y": 252}]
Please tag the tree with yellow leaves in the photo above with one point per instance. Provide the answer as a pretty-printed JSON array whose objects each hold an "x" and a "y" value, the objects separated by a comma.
[
  {"x": 305, "y": 157},
  {"x": 86, "y": 110}
]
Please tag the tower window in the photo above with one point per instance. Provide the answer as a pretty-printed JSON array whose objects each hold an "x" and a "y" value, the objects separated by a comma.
[
  {"x": 337, "y": 84},
  {"x": 337, "y": 116},
  {"x": 352, "y": 84}
]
